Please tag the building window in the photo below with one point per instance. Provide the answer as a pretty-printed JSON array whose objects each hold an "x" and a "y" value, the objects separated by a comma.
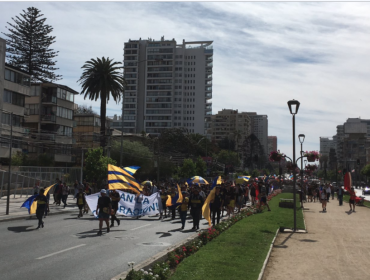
[
  {"x": 16, "y": 121},
  {"x": 13, "y": 98},
  {"x": 64, "y": 113},
  {"x": 16, "y": 77},
  {"x": 34, "y": 109}
]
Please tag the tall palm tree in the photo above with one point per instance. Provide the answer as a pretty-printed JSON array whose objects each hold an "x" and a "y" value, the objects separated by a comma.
[{"x": 102, "y": 78}]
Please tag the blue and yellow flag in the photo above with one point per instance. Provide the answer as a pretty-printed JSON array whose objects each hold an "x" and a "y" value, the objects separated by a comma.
[
  {"x": 175, "y": 201},
  {"x": 31, "y": 204},
  {"x": 217, "y": 181},
  {"x": 206, "y": 211},
  {"x": 120, "y": 179},
  {"x": 131, "y": 169}
]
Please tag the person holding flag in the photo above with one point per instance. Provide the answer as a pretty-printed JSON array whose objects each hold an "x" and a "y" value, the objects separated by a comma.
[
  {"x": 41, "y": 205},
  {"x": 184, "y": 208},
  {"x": 216, "y": 205},
  {"x": 195, "y": 204}
]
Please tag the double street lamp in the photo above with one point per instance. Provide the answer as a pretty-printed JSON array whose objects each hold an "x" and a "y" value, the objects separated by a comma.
[{"x": 293, "y": 108}]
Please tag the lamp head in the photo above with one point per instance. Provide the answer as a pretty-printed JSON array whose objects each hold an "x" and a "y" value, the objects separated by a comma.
[
  {"x": 301, "y": 138},
  {"x": 293, "y": 106}
]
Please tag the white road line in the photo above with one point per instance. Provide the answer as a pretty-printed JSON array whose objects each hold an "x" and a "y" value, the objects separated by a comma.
[
  {"x": 40, "y": 258},
  {"x": 141, "y": 227}
]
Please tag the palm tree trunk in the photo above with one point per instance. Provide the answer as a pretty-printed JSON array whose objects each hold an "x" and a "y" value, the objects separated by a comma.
[{"x": 103, "y": 111}]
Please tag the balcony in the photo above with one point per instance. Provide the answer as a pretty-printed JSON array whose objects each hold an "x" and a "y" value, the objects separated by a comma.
[
  {"x": 49, "y": 99},
  {"x": 208, "y": 88},
  {"x": 208, "y": 96},
  {"x": 48, "y": 118},
  {"x": 209, "y": 64}
]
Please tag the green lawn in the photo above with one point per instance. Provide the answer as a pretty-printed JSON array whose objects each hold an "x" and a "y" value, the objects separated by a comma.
[{"x": 239, "y": 252}]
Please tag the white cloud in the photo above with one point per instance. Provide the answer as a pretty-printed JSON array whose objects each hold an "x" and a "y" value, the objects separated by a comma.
[{"x": 264, "y": 53}]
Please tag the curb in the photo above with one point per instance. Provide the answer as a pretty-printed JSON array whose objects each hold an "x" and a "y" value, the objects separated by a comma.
[
  {"x": 267, "y": 257},
  {"x": 154, "y": 258},
  {"x": 28, "y": 216}
]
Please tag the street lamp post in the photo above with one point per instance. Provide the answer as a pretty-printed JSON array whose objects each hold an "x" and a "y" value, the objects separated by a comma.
[
  {"x": 293, "y": 108},
  {"x": 301, "y": 138}
]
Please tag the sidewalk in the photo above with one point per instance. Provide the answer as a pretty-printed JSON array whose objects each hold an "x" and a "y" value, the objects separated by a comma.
[
  {"x": 336, "y": 246},
  {"x": 15, "y": 212}
]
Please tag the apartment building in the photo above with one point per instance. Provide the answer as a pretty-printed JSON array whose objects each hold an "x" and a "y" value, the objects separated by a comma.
[
  {"x": 14, "y": 89},
  {"x": 86, "y": 131},
  {"x": 168, "y": 85},
  {"x": 327, "y": 143},
  {"x": 259, "y": 125},
  {"x": 50, "y": 121},
  {"x": 272, "y": 144},
  {"x": 231, "y": 124}
]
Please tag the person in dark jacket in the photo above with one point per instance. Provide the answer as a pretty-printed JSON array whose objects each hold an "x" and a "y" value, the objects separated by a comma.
[
  {"x": 41, "y": 205},
  {"x": 216, "y": 205},
  {"x": 195, "y": 204}
]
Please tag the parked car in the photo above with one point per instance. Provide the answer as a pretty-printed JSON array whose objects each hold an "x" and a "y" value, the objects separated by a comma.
[{"x": 366, "y": 190}]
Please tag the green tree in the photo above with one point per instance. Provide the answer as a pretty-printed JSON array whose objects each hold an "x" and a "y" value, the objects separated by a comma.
[
  {"x": 19, "y": 159},
  {"x": 366, "y": 170},
  {"x": 96, "y": 165},
  {"x": 134, "y": 153},
  {"x": 28, "y": 46},
  {"x": 201, "y": 167},
  {"x": 228, "y": 158},
  {"x": 102, "y": 78},
  {"x": 255, "y": 173},
  {"x": 188, "y": 168}
]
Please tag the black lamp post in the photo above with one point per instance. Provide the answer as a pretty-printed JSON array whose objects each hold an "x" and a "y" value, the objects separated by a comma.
[
  {"x": 293, "y": 108},
  {"x": 301, "y": 140}
]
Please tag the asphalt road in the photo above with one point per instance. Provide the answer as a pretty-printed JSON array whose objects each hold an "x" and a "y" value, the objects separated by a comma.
[{"x": 69, "y": 248}]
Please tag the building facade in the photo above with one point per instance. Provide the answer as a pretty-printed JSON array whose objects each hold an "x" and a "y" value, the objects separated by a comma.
[
  {"x": 230, "y": 124},
  {"x": 50, "y": 121},
  {"x": 272, "y": 144},
  {"x": 259, "y": 124},
  {"x": 168, "y": 85},
  {"x": 14, "y": 89}
]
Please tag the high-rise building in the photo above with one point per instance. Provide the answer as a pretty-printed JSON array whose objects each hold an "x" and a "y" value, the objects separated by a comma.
[
  {"x": 232, "y": 125},
  {"x": 326, "y": 144},
  {"x": 168, "y": 85},
  {"x": 272, "y": 144},
  {"x": 14, "y": 88},
  {"x": 260, "y": 129}
]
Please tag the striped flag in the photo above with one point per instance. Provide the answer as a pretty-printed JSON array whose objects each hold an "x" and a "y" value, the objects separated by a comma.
[
  {"x": 120, "y": 179},
  {"x": 131, "y": 169},
  {"x": 31, "y": 204}
]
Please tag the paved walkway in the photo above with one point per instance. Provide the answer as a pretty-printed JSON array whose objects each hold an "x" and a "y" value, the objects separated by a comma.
[
  {"x": 337, "y": 246},
  {"x": 15, "y": 212}
]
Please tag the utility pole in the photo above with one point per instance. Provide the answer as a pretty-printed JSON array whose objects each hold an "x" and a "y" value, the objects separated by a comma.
[{"x": 10, "y": 164}]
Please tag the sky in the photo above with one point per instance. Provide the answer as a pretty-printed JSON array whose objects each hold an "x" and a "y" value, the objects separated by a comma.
[{"x": 265, "y": 54}]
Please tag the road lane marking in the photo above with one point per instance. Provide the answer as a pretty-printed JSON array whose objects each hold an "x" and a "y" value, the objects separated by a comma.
[
  {"x": 141, "y": 227},
  {"x": 62, "y": 251}
]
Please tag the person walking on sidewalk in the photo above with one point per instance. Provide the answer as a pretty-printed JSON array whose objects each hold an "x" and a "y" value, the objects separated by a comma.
[
  {"x": 81, "y": 201},
  {"x": 65, "y": 192},
  {"x": 103, "y": 208},
  {"x": 41, "y": 205},
  {"x": 352, "y": 199},
  {"x": 332, "y": 191},
  {"x": 324, "y": 199},
  {"x": 263, "y": 195},
  {"x": 340, "y": 196},
  {"x": 328, "y": 191},
  {"x": 114, "y": 196}
]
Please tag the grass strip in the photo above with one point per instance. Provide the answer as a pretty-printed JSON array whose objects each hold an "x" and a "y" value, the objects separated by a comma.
[{"x": 239, "y": 252}]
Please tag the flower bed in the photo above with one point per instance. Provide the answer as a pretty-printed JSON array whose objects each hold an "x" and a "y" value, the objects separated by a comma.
[{"x": 163, "y": 270}]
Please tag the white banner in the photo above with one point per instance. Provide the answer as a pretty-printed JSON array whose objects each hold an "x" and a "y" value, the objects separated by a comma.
[{"x": 129, "y": 205}]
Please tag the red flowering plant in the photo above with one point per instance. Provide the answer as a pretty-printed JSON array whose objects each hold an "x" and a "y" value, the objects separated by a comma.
[
  {"x": 208, "y": 235},
  {"x": 290, "y": 166},
  {"x": 312, "y": 156},
  {"x": 311, "y": 167},
  {"x": 276, "y": 156}
]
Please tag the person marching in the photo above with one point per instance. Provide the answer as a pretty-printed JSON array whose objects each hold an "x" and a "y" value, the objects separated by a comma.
[
  {"x": 263, "y": 195},
  {"x": 114, "y": 195},
  {"x": 81, "y": 201},
  {"x": 41, "y": 205},
  {"x": 103, "y": 208},
  {"x": 184, "y": 208},
  {"x": 195, "y": 204},
  {"x": 163, "y": 200},
  {"x": 217, "y": 204},
  {"x": 87, "y": 191}
]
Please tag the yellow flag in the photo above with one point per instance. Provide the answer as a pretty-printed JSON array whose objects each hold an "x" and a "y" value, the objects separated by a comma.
[
  {"x": 179, "y": 200},
  {"x": 34, "y": 204},
  {"x": 206, "y": 211}
]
